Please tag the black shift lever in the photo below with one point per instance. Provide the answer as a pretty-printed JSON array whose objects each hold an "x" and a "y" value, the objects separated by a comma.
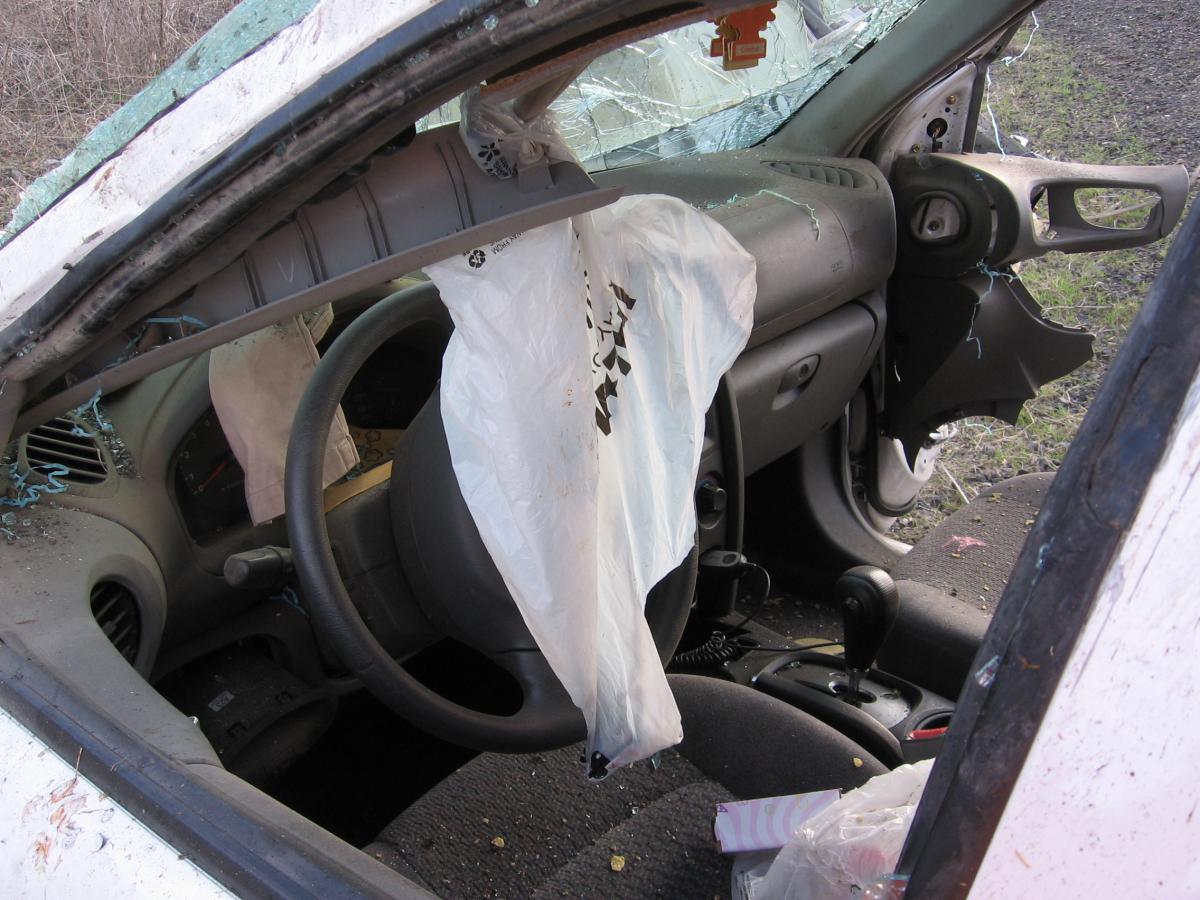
[{"x": 869, "y": 603}]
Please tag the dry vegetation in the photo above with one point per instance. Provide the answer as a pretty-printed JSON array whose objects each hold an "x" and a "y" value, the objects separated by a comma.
[{"x": 66, "y": 65}]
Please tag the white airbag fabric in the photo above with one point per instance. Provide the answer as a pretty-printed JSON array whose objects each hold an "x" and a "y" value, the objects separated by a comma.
[{"x": 573, "y": 394}]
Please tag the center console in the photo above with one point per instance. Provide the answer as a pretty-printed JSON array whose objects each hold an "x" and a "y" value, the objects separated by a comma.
[{"x": 834, "y": 681}]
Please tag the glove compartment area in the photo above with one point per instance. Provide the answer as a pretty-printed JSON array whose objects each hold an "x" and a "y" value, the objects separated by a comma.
[{"x": 798, "y": 384}]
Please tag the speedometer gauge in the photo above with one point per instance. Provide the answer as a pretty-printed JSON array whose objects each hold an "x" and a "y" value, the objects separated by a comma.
[{"x": 209, "y": 482}]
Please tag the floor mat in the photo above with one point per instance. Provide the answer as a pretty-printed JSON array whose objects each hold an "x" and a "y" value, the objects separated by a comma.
[{"x": 795, "y": 616}]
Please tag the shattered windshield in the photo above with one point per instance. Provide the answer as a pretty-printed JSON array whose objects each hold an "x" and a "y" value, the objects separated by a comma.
[{"x": 672, "y": 95}]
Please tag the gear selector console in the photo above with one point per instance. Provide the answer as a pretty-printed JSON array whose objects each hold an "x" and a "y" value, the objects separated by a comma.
[{"x": 894, "y": 719}]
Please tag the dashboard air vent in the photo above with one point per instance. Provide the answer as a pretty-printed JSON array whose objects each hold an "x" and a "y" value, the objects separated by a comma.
[
  {"x": 116, "y": 611},
  {"x": 822, "y": 174},
  {"x": 57, "y": 442}
]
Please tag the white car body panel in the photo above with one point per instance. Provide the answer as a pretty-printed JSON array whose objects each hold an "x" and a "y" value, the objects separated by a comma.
[
  {"x": 1105, "y": 805},
  {"x": 60, "y": 836}
]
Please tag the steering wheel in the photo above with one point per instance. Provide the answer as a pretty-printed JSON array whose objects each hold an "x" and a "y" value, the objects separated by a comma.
[{"x": 442, "y": 558}]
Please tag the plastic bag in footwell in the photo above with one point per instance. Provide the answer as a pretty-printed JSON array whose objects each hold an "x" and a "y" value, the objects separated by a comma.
[
  {"x": 851, "y": 847},
  {"x": 573, "y": 394}
]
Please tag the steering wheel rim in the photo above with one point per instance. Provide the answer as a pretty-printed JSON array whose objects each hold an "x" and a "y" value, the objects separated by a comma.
[{"x": 547, "y": 718}]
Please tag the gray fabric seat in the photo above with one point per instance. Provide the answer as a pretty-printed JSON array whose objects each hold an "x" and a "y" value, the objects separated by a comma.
[
  {"x": 949, "y": 584},
  {"x": 531, "y": 826}
]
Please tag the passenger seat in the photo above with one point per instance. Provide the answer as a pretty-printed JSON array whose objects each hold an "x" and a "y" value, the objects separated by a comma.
[{"x": 951, "y": 581}]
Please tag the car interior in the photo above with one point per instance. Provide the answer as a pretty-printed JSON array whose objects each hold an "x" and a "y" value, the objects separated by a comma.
[{"x": 354, "y": 672}]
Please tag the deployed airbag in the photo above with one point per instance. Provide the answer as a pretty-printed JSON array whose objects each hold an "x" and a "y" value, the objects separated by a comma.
[{"x": 573, "y": 393}]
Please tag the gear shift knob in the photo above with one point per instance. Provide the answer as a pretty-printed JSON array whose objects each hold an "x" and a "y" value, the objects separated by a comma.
[{"x": 869, "y": 603}]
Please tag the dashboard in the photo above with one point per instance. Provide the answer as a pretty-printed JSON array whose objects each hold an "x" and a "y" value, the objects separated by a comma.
[{"x": 823, "y": 233}]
